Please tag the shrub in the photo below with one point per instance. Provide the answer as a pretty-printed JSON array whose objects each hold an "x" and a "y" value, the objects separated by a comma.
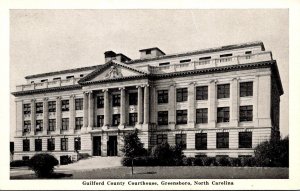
[
  {"x": 235, "y": 161},
  {"x": 188, "y": 161},
  {"x": 198, "y": 161},
  {"x": 43, "y": 164},
  {"x": 222, "y": 161},
  {"x": 65, "y": 159},
  {"x": 126, "y": 161},
  {"x": 164, "y": 154},
  {"x": 19, "y": 163},
  {"x": 82, "y": 156},
  {"x": 248, "y": 161}
]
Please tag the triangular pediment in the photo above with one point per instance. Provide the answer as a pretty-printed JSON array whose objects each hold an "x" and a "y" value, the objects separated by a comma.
[{"x": 112, "y": 70}]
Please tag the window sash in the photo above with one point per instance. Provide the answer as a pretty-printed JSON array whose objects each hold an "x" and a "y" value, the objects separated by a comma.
[
  {"x": 223, "y": 91},
  {"x": 78, "y": 123},
  {"x": 223, "y": 140},
  {"x": 161, "y": 138},
  {"x": 79, "y": 104},
  {"x": 52, "y": 106},
  {"x": 51, "y": 144},
  {"x": 39, "y": 123},
  {"x": 202, "y": 115},
  {"x": 64, "y": 144},
  {"x": 180, "y": 139},
  {"x": 162, "y": 118},
  {"x": 162, "y": 96},
  {"x": 65, "y": 105},
  {"x": 77, "y": 143},
  {"x": 201, "y": 93},
  {"x": 100, "y": 120},
  {"x": 223, "y": 114},
  {"x": 181, "y": 116},
  {"x": 201, "y": 141},
  {"x": 65, "y": 124},
  {"x": 246, "y": 89},
  {"x": 116, "y": 120},
  {"x": 132, "y": 119},
  {"x": 52, "y": 125},
  {"x": 100, "y": 101},
  {"x": 38, "y": 144},
  {"x": 116, "y": 99},
  {"x": 133, "y": 98},
  {"x": 246, "y": 113},
  {"x": 26, "y": 108},
  {"x": 26, "y": 145},
  {"x": 181, "y": 94},
  {"x": 245, "y": 139},
  {"x": 39, "y": 107}
]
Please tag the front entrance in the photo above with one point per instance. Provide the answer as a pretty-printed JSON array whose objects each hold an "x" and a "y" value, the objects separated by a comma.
[
  {"x": 97, "y": 146},
  {"x": 112, "y": 146}
]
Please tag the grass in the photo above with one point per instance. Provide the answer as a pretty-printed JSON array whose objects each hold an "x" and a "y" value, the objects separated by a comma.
[{"x": 182, "y": 172}]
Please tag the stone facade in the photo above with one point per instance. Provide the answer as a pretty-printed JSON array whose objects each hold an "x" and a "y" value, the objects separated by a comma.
[{"x": 219, "y": 101}]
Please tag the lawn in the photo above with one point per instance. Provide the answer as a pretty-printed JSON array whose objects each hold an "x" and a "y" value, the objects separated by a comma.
[{"x": 183, "y": 172}]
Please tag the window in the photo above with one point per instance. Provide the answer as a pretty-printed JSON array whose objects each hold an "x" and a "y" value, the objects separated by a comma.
[
  {"x": 52, "y": 125},
  {"x": 39, "y": 125},
  {"x": 81, "y": 75},
  {"x": 133, "y": 98},
  {"x": 79, "y": 104},
  {"x": 246, "y": 89},
  {"x": 100, "y": 101},
  {"x": 65, "y": 105},
  {"x": 26, "y": 158},
  {"x": 180, "y": 140},
  {"x": 27, "y": 108},
  {"x": 222, "y": 140},
  {"x": 161, "y": 138},
  {"x": 164, "y": 64},
  {"x": 223, "y": 91},
  {"x": 64, "y": 144},
  {"x": 65, "y": 124},
  {"x": 225, "y": 55},
  {"x": 27, "y": 126},
  {"x": 223, "y": 114},
  {"x": 132, "y": 119},
  {"x": 26, "y": 145},
  {"x": 52, "y": 106},
  {"x": 162, "y": 118},
  {"x": 38, "y": 144},
  {"x": 181, "y": 94},
  {"x": 78, "y": 123},
  {"x": 77, "y": 143},
  {"x": 44, "y": 80},
  {"x": 148, "y": 51},
  {"x": 162, "y": 96},
  {"x": 51, "y": 144},
  {"x": 116, "y": 99},
  {"x": 201, "y": 93},
  {"x": 201, "y": 115},
  {"x": 246, "y": 113},
  {"x": 116, "y": 120},
  {"x": 201, "y": 141},
  {"x": 69, "y": 77},
  {"x": 39, "y": 107},
  {"x": 248, "y": 52},
  {"x": 245, "y": 139},
  {"x": 100, "y": 120},
  {"x": 181, "y": 116},
  {"x": 184, "y": 61},
  {"x": 59, "y": 78},
  {"x": 205, "y": 58}
]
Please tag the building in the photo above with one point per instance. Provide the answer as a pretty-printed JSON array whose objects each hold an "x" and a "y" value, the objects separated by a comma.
[{"x": 218, "y": 101}]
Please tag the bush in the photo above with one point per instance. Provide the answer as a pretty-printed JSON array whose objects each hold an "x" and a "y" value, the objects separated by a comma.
[
  {"x": 209, "y": 161},
  {"x": 248, "y": 161},
  {"x": 167, "y": 155},
  {"x": 126, "y": 161},
  {"x": 65, "y": 159},
  {"x": 198, "y": 161},
  {"x": 19, "y": 163},
  {"x": 82, "y": 156},
  {"x": 235, "y": 161},
  {"x": 43, "y": 164},
  {"x": 188, "y": 161},
  {"x": 222, "y": 161}
]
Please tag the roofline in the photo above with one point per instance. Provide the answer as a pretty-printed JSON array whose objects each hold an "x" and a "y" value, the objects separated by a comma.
[
  {"x": 153, "y": 48},
  {"x": 216, "y": 49}
]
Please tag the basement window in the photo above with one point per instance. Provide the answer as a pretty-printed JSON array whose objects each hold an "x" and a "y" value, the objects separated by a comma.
[
  {"x": 205, "y": 58},
  {"x": 184, "y": 61}
]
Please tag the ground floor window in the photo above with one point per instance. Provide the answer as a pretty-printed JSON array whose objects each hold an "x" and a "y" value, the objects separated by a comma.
[
  {"x": 64, "y": 144},
  {"x": 245, "y": 139},
  {"x": 180, "y": 140},
  {"x": 162, "y": 118},
  {"x": 223, "y": 140},
  {"x": 201, "y": 141},
  {"x": 51, "y": 144},
  {"x": 132, "y": 119},
  {"x": 161, "y": 138},
  {"x": 77, "y": 143},
  {"x": 38, "y": 144},
  {"x": 26, "y": 145}
]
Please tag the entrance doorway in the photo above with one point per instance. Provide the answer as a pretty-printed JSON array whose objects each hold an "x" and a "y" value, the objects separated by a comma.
[
  {"x": 112, "y": 146},
  {"x": 97, "y": 146}
]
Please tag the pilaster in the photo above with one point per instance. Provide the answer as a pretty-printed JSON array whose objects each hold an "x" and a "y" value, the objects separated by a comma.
[
  {"x": 91, "y": 111},
  {"x": 33, "y": 117},
  {"x": 172, "y": 106},
  {"x": 191, "y": 105},
  {"x": 72, "y": 114},
  {"x": 58, "y": 115},
  {"x": 212, "y": 111},
  {"x": 234, "y": 102},
  {"x": 45, "y": 116},
  {"x": 140, "y": 105},
  {"x": 123, "y": 108}
]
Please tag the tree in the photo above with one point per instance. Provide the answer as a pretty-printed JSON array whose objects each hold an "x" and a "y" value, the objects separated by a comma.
[
  {"x": 133, "y": 147},
  {"x": 274, "y": 153},
  {"x": 42, "y": 164}
]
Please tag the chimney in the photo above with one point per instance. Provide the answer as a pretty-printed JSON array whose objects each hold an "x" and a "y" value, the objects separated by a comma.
[
  {"x": 109, "y": 55},
  {"x": 151, "y": 53}
]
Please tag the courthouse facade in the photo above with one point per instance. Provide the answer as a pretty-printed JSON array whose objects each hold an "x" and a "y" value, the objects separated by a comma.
[{"x": 218, "y": 101}]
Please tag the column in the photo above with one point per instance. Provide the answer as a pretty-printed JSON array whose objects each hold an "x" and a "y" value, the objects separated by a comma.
[
  {"x": 146, "y": 104},
  {"x": 85, "y": 110},
  {"x": 123, "y": 107},
  {"x": 212, "y": 104},
  {"x": 91, "y": 110},
  {"x": 140, "y": 105},
  {"x": 234, "y": 102},
  {"x": 172, "y": 107},
  {"x": 45, "y": 116},
  {"x": 33, "y": 117},
  {"x": 58, "y": 115},
  {"x": 72, "y": 114},
  {"x": 191, "y": 105},
  {"x": 106, "y": 109}
]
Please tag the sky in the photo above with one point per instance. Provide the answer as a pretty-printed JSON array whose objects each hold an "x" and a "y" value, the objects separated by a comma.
[{"x": 50, "y": 40}]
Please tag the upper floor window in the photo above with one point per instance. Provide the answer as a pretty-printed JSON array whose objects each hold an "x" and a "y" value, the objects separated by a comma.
[
  {"x": 64, "y": 144},
  {"x": 38, "y": 144},
  {"x": 100, "y": 101},
  {"x": 161, "y": 138},
  {"x": 65, "y": 105},
  {"x": 201, "y": 93},
  {"x": 116, "y": 98},
  {"x": 148, "y": 51},
  {"x": 205, "y": 58},
  {"x": 246, "y": 113},
  {"x": 52, "y": 106},
  {"x": 184, "y": 61},
  {"x": 51, "y": 144},
  {"x": 44, "y": 80},
  {"x": 181, "y": 94},
  {"x": 26, "y": 145},
  {"x": 201, "y": 141},
  {"x": 27, "y": 126},
  {"x": 248, "y": 52},
  {"x": 162, "y": 96},
  {"x": 39, "y": 125},
  {"x": 180, "y": 140},
  {"x": 77, "y": 143},
  {"x": 245, "y": 139},
  {"x": 27, "y": 108},
  {"x": 225, "y": 55},
  {"x": 81, "y": 75},
  {"x": 65, "y": 124},
  {"x": 133, "y": 98},
  {"x": 100, "y": 120},
  {"x": 181, "y": 116},
  {"x": 223, "y": 114},
  {"x": 246, "y": 89},
  {"x": 79, "y": 104},
  {"x": 223, "y": 91},
  {"x": 78, "y": 123},
  {"x": 162, "y": 118},
  {"x": 201, "y": 115},
  {"x": 164, "y": 64},
  {"x": 39, "y": 107},
  {"x": 222, "y": 140},
  {"x": 132, "y": 119},
  {"x": 59, "y": 78},
  {"x": 69, "y": 77},
  {"x": 52, "y": 125},
  {"x": 116, "y": 120}
]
